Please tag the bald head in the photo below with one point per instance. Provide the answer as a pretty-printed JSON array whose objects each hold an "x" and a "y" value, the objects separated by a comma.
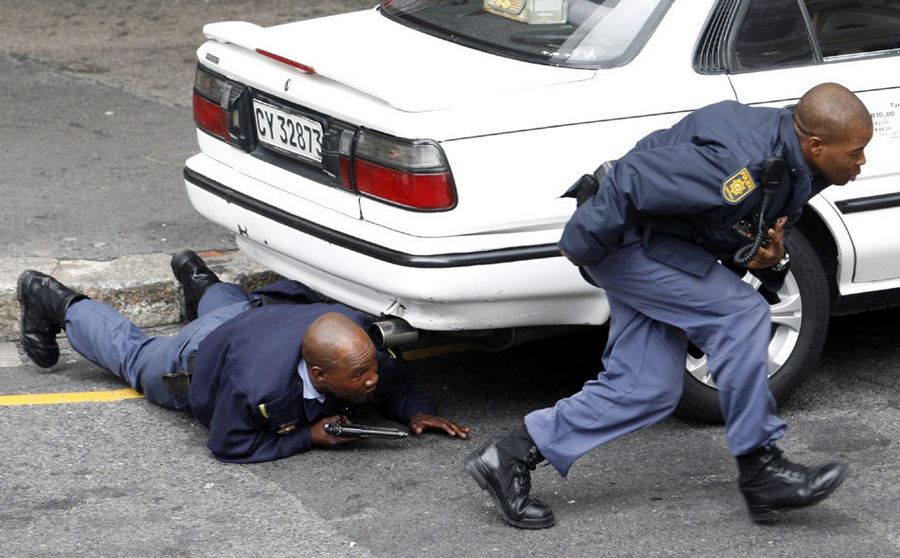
[
  {"x": 833, "y": 127},
  {"x": 830, "y": 111},
  {"x": 334, "y": 339}
]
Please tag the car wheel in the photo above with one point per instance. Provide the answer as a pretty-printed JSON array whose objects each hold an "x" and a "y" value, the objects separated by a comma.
[{"x": 800, "y": 314}]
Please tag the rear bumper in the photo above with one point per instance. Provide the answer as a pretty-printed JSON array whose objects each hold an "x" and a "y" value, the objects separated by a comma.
[
  {"x": 338, "y": 238},
  {"x": 441, "y": 291}
]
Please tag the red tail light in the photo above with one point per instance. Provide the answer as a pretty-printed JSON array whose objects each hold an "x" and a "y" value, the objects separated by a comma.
[
  {"x": 410, "y": 173},
  {"x": 345, "y": 177},
  {"x": 419, "y": 191},
  {"x": 210, "y": 117},
  {"x": 217, "y": 107}
]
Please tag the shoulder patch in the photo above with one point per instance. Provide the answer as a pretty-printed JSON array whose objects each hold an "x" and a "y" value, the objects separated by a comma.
[{"x": 738, "y": 186}]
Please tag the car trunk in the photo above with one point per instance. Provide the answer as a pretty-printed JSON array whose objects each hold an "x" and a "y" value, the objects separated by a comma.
[{"x": 505, "y": 125}]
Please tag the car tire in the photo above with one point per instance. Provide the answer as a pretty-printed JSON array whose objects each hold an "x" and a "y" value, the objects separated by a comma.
[{"x": 800, "y": 315}]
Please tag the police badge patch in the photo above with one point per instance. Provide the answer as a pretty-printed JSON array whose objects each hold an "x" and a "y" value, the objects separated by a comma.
[{"x": 738, "y": 186}]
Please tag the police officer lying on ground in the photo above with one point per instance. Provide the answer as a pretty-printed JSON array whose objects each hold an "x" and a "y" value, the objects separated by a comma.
[
  {"x": 651, "y": 237},
  {"x": 265, "y": 378}
]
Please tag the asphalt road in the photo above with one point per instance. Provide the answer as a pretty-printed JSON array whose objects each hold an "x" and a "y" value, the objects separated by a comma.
[
  {"x": 129, "y": 478},
  {"x": 94, "y": 129},
  {"x": 95, "y": 122}
]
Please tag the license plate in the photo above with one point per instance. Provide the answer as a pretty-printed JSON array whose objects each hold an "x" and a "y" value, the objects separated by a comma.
[{"x": 288, "y": 132}]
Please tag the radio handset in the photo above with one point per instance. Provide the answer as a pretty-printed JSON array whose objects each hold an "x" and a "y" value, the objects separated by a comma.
[{"x": 770, "y": 178}]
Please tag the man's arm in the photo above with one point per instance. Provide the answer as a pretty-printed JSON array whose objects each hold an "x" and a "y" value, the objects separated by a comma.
[
  {"x": 238, "y": 433},
  {"x": 768, "y": 257},
  {"x": 682, "y": 179},
  {"x": 399, "y": 397}
]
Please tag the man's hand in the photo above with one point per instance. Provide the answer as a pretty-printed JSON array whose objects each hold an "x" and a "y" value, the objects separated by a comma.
[
  {"x": 423, "y": 421},
  {"x": 770, "y": 255},
  {"x": 321, "y": 438}
]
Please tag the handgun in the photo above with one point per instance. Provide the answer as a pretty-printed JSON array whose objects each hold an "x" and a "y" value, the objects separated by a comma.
[{"x": 363, "y": 431}]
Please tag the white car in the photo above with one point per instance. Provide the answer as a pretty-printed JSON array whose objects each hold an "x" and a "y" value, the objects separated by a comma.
[{"x": 409, "y": 160}]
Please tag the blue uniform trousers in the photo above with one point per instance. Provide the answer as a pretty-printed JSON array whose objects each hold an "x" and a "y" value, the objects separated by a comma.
[
  {"x": 655, "y": 309},
  {"x": 109, "y": 340}
]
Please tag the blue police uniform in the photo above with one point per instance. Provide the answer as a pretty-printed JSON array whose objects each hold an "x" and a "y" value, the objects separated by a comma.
[
  {"x": 246, "y": 386},
  {"x": 651, "y": 237}
]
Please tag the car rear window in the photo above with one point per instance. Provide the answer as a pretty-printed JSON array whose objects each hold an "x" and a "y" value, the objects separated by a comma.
[
  {"x": 573, "y": 33},
  {"x": 857, "y": 28},
  {"x": 779, "y": 34}
]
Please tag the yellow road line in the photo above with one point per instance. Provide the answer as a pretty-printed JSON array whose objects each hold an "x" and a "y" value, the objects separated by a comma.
[
  {"x": 71, "y": 397},
  {"x": 128, "y": 393}
]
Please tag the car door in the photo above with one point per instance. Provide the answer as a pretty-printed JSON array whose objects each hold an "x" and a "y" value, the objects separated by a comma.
[{"x": 781, "y": 49}]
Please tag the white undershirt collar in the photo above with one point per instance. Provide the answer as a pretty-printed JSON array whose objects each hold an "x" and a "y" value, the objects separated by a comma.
[{"x": 309, "y": 390}]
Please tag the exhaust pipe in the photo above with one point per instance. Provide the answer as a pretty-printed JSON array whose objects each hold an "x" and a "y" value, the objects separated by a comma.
[{"x": 391, "y": 332}]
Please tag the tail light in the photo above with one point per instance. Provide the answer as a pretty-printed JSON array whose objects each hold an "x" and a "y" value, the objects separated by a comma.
[
  {"x": 217, "y": 107},
  {"x": 337, "y": 154},
  {"x": 409, "y": 173}
]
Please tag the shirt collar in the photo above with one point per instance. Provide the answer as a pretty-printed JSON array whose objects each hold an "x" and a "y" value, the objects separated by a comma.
[
  {"x": 793, "y": 152},
  {"x": 309, "y": 390}
]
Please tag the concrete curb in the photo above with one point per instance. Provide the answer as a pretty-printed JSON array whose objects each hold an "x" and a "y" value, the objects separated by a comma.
[{"x": 141, "y": 287}]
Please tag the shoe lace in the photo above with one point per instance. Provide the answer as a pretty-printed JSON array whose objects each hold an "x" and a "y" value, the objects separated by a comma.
[
  {"x": 522, "y": 480},
  {"x": 784, "y": 468}
]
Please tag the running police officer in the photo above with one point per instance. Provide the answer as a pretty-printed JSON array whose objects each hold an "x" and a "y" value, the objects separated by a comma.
[{"x": 651, "y": 237}]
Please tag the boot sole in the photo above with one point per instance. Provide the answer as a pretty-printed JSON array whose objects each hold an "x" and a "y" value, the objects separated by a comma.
[
  {"x": 20, "y": 289},
  {"x": 767, "y": 514},
  {"x": 475, "y": 470}
]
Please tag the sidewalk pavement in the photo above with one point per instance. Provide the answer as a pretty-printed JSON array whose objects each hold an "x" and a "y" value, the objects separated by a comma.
[{"x": 141, "y": 287}]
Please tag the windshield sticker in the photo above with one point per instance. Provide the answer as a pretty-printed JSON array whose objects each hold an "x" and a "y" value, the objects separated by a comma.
[{"x": 885, "y": 121}]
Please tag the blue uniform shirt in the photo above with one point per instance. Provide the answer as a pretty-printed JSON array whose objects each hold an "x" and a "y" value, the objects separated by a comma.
[
  {"x": 682, "y": 190},
  {"x": 246, "y": 388}
]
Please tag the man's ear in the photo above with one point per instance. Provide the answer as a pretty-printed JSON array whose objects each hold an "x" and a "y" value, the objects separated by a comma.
[
  {"x": 317, "y": 374},
  {"x": 814, "y": 145}
]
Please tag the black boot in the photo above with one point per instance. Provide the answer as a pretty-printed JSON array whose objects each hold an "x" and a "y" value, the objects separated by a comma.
[
  {"x": 195, "y": 278},
  {"x": 771, "y": 483},
  {"x": 502, "y": 467},
  {"x": 43, "y": 302}
]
